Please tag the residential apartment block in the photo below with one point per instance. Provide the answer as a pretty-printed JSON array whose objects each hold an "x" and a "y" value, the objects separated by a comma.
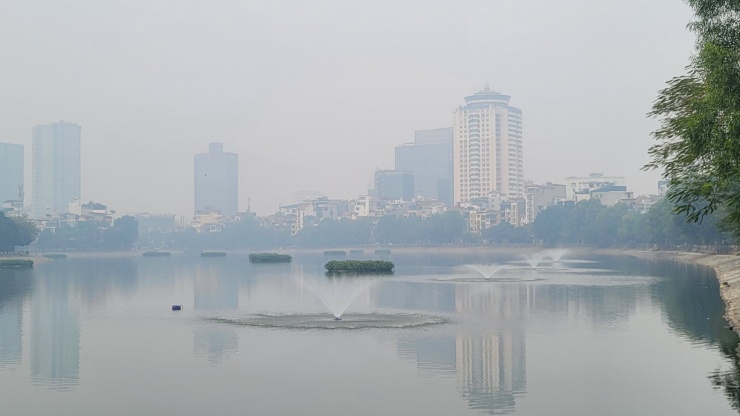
[{"x": 487, "y": 147}]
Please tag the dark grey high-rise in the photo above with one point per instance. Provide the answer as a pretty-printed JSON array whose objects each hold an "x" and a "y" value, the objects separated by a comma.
[
  {"x": 392, "y": 185},
  {"x": 217, "y": 181},
  {"x": 429, "y": 158}
]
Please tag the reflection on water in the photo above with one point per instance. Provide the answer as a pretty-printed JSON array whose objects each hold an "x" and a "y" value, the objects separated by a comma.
[
  {"x": 215, "y": 290},
  {"x": 489, "y": 360},
  {"x": 14, "y": 287},
  {"x": 215, "y": 343},
  {"x": 55, "y": 336},
  {"x": 490, "y": 351}
]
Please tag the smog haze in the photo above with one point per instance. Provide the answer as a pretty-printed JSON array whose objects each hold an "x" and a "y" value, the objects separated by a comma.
[{"x": 314, "y": 96}]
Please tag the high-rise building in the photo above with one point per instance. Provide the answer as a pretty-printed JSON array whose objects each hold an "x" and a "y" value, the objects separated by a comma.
[
  {"x": 487, "y": 147},
  {"x": 429, "y": 158},
  {"x": 56, "y": 167},
  {"x": 392, "y": 185},
  {"x": 11, "y": 172},
  {"x": 217, "y": 181}
]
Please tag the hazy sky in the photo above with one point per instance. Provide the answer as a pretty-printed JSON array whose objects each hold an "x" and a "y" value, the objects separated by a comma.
[{"x": 315, "y": 95}]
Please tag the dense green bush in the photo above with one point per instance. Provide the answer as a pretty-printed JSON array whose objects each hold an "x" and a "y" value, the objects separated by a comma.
[
  {"x": 357, "y": 252},
  {"x": 359, "y": 267},
  {"x": 383, "y": 251},
  {"x": 269, "y": 258},
  {"x": 16, "y": 263},
  {"x": 55, "y": 256},
  {"x": 335, "y": 253}
]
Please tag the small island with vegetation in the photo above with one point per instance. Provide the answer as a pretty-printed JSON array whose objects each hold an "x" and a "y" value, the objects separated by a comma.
[
  {"x": 335, "y": 253},
  {"x": 16, "y": 263},
  {"x": 359, "y": 267},
  {"x": 156, "y": 253},
  {"x": 269, "y": 258},
  {"x": 54, "y": 256},
  {"x": 213, "y": 254}
]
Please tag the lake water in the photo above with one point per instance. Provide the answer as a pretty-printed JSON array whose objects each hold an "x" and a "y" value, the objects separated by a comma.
[{"x": 585, "y": 336}]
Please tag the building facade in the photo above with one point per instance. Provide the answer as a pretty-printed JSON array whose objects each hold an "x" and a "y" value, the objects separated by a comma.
[
  {"x": 487, "y": 147},
  {"x": 56, "y": 167},
  {"x": 11, "y": 172},
  {"x": 539, "y": 197},
  {"x": 217, "y": 181},
  {"x": 580, "y": 187},
  {"x": 429, "y": 159},
  {"x": 392, "y": 185}
]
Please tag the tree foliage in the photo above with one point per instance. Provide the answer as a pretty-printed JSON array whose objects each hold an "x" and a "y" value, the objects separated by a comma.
[
  {"x": 591, "y": 224},
  {"x": 699, "y": 137},
  {"x": 15, "y": 232},
  {"x": 91, "y": 235}
]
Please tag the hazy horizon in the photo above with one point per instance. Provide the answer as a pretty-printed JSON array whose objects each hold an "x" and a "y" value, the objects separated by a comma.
[{"x": 315, "y": 96}]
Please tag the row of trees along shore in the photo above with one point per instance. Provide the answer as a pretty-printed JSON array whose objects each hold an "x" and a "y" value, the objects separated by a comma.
[{"x": 587, "y": 223}]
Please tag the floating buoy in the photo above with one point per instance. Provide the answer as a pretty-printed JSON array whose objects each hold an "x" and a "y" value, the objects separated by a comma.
[{"x": 176, "y": 307}]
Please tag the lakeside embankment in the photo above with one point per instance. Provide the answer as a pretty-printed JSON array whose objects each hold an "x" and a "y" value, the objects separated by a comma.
[{"x": 726, "y": 267}]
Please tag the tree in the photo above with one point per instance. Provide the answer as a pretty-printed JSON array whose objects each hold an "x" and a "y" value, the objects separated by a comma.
[
  {"x": 550, "y": 224},
  {"x": 699, "y": 137},
  {"x": 444, "y": 228},
  {"x": 15, "y": 232},
  {"x": 608, "y": 223},
  {"x": 505, "y": 233},
  {"x": 123, "y": 234},
  {"x": 581, "y": 227}
]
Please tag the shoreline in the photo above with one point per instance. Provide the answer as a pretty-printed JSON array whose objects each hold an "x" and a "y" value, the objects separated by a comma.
[{"x": 726, "y": 268}]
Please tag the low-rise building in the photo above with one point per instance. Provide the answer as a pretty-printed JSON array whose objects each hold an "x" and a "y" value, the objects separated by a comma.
[{"x": 583, "y": 185}]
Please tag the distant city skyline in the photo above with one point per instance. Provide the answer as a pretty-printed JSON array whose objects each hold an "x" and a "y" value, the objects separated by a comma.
[
  {"x": 56, "y": 165},
  {"x": 317, "y": 98}
]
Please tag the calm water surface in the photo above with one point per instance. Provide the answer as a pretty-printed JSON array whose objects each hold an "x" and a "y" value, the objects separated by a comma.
[{"x": 586, "y": 336}]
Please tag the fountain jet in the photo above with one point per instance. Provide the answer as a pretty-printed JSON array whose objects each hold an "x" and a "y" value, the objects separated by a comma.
[
  {"x": 487, "y": 270},
  {"x": 337, "y": 294},
  {"x": 534, "y": 259},
  {"x": 556, "y": 254}
]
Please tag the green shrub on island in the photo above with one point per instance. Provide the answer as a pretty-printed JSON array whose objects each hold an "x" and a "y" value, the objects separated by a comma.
[
  {"x": 156, "y": 254},
  {"x": 335, "y": 253},
  {"x": 16, "y": 263},
  {"x": 383, "y": 251},
  {"x": 54, "y": 256},
  {"x": 359, "y": 267},
  {"x": 213, "y": 254},
  {"x": 269, "y": 258},
  {"x": 357, "y": 252}
]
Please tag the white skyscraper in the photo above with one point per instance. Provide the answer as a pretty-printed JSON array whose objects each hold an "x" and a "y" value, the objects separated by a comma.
[
  {"x": 487, "y": 148},
  {"x": 56, "y": 167}
]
